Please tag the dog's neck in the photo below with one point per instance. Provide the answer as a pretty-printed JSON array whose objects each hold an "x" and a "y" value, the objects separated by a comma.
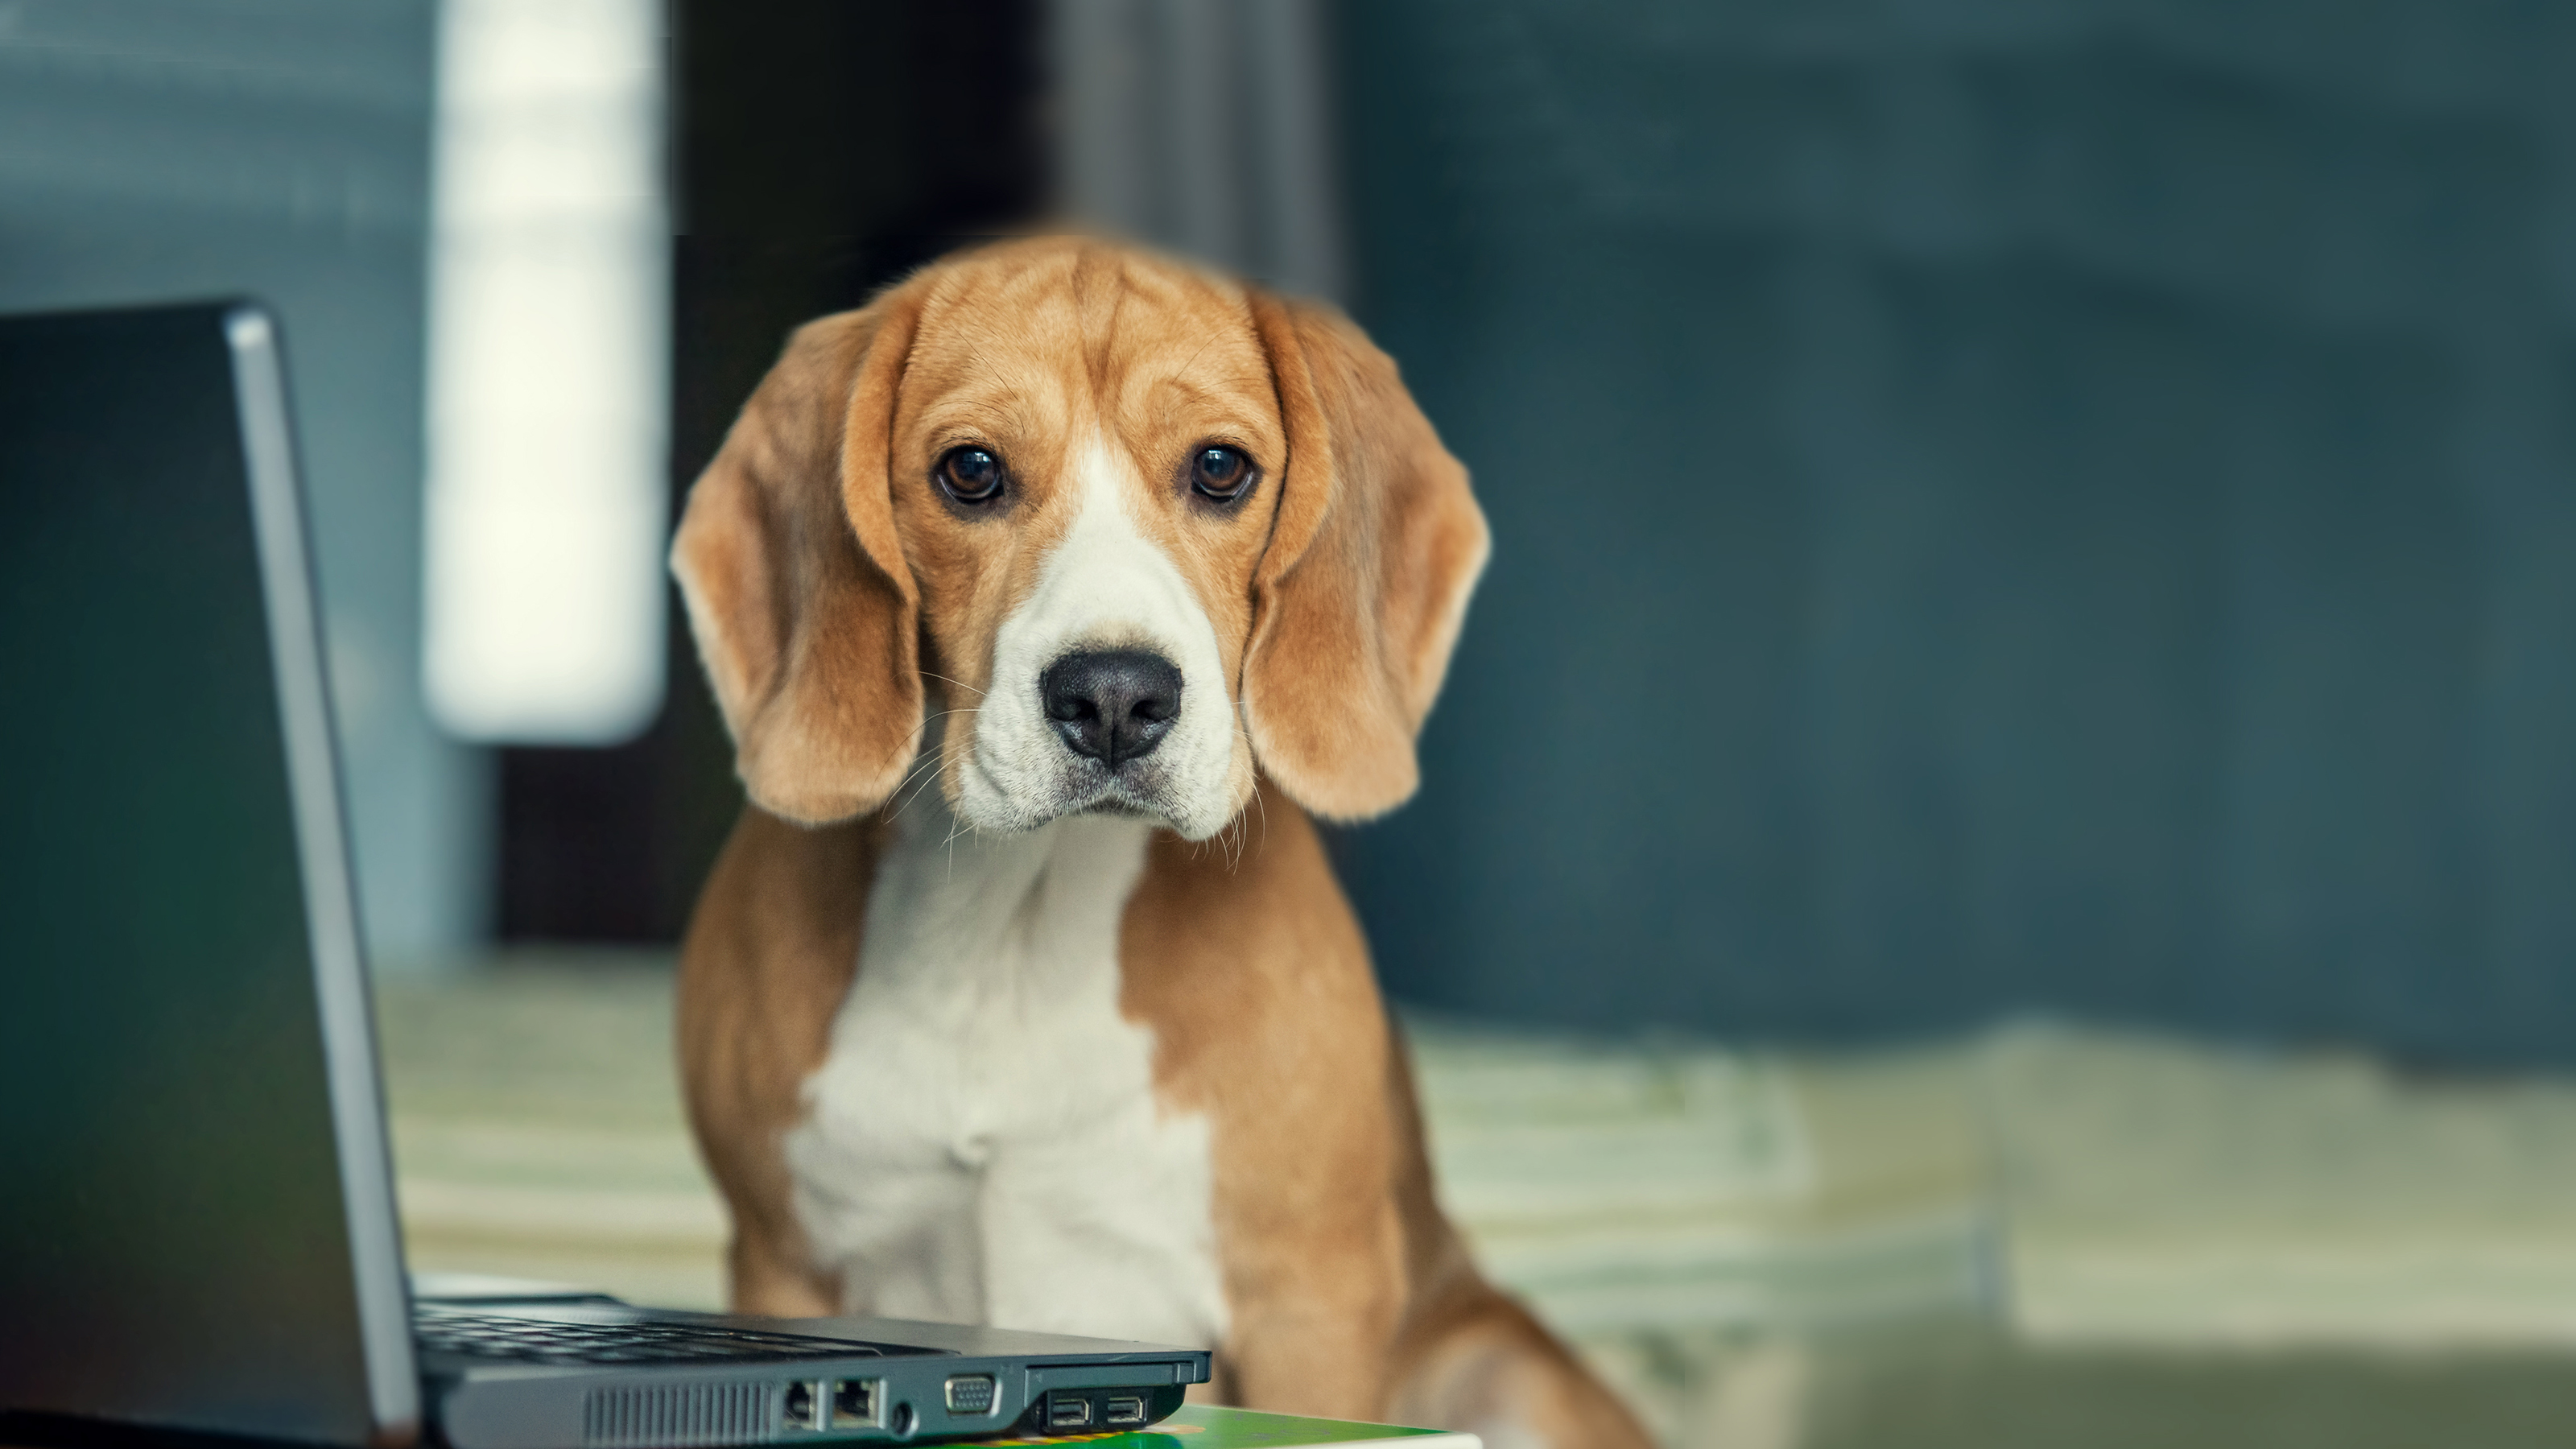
[{"x": 1014, "y": 914}]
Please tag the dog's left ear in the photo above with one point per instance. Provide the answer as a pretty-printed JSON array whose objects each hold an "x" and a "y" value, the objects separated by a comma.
[{"x": 1374, "y": 549}]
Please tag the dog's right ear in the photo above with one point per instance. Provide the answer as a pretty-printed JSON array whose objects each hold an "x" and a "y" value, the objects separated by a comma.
[{"x": 804, "y": 609}]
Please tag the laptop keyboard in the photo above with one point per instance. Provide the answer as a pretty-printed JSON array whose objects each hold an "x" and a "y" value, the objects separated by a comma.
[{"x": 531, "y": 1340}]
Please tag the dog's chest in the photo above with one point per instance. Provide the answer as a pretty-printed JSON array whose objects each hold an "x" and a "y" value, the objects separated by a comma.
[{"x": 983, "y": 1143}]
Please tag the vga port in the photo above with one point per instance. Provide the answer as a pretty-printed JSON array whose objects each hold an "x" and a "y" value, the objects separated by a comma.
[{"x": 970, "y": 1394}]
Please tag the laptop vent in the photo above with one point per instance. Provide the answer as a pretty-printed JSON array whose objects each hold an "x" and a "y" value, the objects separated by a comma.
[{"x": 680, "y": 1414}]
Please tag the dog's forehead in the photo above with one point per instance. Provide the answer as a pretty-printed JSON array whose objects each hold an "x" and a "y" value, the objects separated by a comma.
[{"x": 1036, "y": 342}]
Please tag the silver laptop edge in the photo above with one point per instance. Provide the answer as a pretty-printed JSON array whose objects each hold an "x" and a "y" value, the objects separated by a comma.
[{"x": 339, "y": 972}]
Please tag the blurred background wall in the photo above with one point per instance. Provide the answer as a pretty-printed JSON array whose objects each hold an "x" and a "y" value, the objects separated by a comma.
[
  {"x": 1998, "y": 507},
  {"x": 159, "y": 149}
]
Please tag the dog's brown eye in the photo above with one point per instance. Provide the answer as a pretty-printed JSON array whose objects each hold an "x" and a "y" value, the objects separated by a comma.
[
  {"x": 1221, "y": 473},
  {"x": 970, "y": 475}
]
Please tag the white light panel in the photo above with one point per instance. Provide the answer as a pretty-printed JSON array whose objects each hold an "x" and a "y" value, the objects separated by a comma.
[{"x": 548, "y": 423}]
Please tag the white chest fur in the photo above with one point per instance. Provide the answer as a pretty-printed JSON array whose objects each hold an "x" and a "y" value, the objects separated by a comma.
[{"x": 982, "y": 1144}]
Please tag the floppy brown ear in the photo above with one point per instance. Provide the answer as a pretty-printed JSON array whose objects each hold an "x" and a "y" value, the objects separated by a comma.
[
  {"x": 1375, "y": 547},
  {"x": 797, "y": 590}
]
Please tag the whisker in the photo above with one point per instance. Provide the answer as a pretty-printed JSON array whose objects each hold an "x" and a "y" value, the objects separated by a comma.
[
  {"x": 928, "y": 720},
  {"x": 944, "y": 679},
  {"x": 960, "y": 828},
  {"x": 928, "y": 773},
  {"x": 926, "y": 770},
  {"x": 924, "y": 762}
]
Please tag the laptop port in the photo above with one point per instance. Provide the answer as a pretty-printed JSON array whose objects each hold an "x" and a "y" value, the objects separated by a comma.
[
  {"x": 858, "y": 1404},
  {"x": 970, "y": 1394},
  {"x": 1068, "y": 1411},
  {"x": 809, "y": 1406},
  {"x": 1124, "y": 1409}
]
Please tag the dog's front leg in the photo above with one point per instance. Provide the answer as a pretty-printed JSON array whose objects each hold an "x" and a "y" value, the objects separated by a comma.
[
  {"x": 769, "y": 956},
  {"x": 772, "y": 1278},
  {"x": 1314, "y": 1314}
]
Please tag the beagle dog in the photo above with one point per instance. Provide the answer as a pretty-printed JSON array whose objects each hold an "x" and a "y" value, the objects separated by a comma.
[{"x": 1045, "y": 598}]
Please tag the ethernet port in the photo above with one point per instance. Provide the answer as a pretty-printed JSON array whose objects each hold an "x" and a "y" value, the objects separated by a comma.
[
  {"x": 807, "y": 1406},
  {"x": 858, "y": 1404}
]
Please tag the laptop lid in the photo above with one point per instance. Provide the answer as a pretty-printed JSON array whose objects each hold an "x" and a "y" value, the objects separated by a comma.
[{"x": 197, "y": 1228}]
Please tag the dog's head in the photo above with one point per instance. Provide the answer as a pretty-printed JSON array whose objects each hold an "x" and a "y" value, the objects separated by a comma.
[{"x": 1112, "y": 531}]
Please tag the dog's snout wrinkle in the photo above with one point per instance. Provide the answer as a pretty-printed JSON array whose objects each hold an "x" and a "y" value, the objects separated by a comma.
[{"x": 1111, "y": 705}]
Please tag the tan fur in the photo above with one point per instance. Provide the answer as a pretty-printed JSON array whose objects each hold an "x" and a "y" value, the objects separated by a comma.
[
  {"x": 1011, "y": 352},
  {"x": 770, "y": 953},
  {"x": 788, "y": 562},
  {"x": 814, "y": 553},
  {"x": 1377, "y": 545}
]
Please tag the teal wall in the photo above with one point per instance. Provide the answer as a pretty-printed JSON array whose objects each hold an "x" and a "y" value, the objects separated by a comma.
[
  {"x": 158, "y": 149},
  {"x": 1998, "y": 507}
]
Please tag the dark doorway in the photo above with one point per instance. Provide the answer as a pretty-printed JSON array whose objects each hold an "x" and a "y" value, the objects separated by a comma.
[{"x": 821, "y": 148}]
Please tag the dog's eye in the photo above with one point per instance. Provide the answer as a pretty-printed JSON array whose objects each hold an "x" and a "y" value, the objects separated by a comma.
[
  {"x": 969, "y": 475},
  {"x": 1221, "y": 473}
]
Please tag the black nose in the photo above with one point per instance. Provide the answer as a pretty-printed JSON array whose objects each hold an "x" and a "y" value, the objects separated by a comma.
[{"x": 1112, "y": 705}]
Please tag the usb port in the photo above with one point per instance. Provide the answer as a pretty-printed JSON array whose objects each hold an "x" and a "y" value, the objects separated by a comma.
[
  {"x": 1125, "y": 1409},
  {"x": 970, "y": 1394},
  {"x": 1068, "y": 1412}
]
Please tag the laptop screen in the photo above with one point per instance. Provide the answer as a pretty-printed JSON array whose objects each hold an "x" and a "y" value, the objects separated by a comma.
[{"x": 175, "y": 1238}]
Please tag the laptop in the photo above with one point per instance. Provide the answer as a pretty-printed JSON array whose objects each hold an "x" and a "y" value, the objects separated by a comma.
[{"x": 197, "y": 1223}]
